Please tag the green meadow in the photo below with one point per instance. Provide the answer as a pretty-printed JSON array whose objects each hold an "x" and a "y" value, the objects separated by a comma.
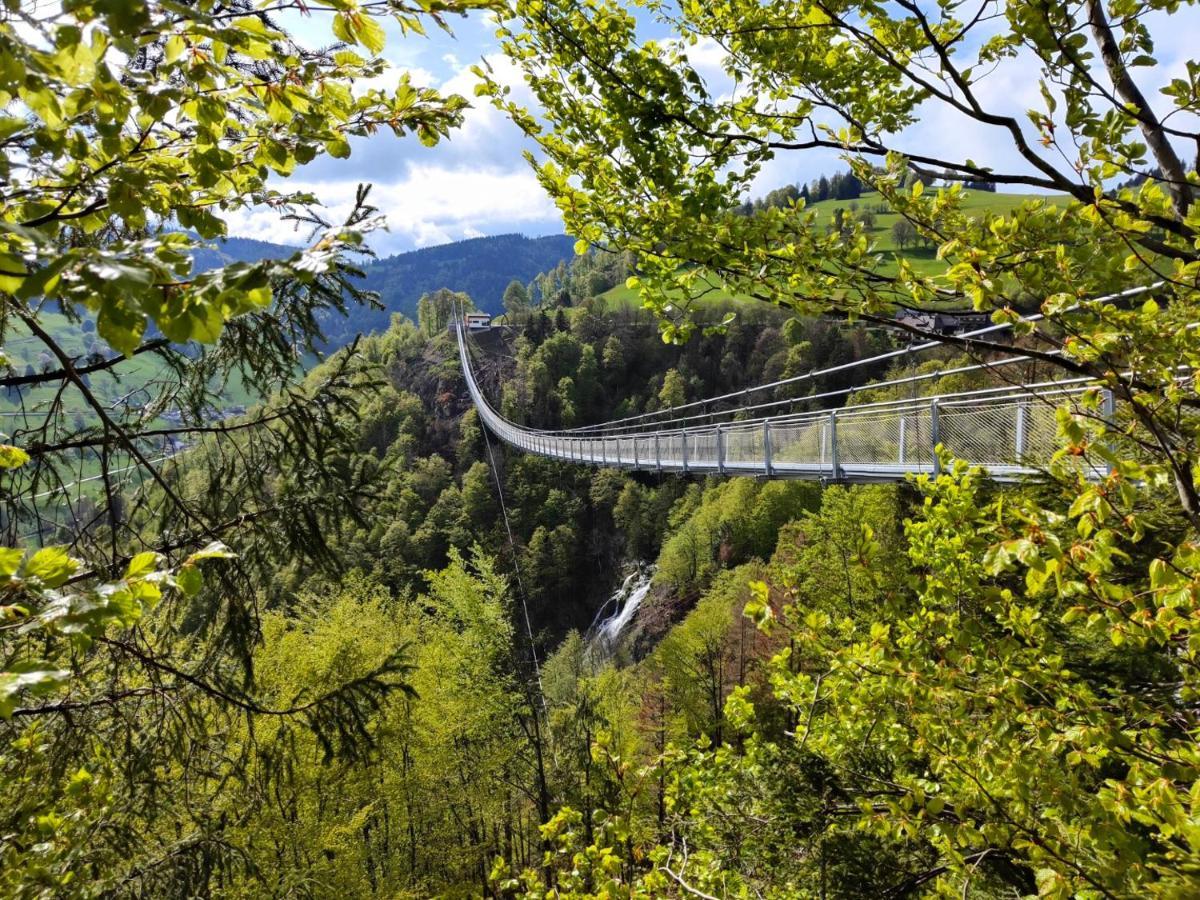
[{"x": 923, "y": 259}]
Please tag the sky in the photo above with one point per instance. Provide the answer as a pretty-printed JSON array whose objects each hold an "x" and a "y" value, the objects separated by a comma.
[{"x": 477, "y": 182}]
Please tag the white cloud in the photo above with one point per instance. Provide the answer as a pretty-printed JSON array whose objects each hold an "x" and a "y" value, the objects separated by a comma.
[
  {"x": 708, "y": 59},
  {"x": 487, "y": 132},
  {"x": 431, "y": 204},
  {"x": 461, "y": 197},
  {"x": 476, "y": 182},
  {"x": 472, "y": 184}
]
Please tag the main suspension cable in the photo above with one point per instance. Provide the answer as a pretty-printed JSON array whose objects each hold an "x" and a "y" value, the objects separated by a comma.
[
  {"x": 512, "y": 546},
  {"x": 844, "y": 367}
]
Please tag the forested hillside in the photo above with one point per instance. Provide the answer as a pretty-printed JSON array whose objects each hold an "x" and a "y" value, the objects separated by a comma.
[
  {"x": 573, "y": 527},
  {"x": 281, "y": 618},
  {"x": 483, "y": 267},
  {"x": 480, "y": 267},
  {"x": 449, "y": 544},
  {"x": 224, "y": 251},
  {"x": 445, "y": 778},
  {"x": 417, "y": 566}
]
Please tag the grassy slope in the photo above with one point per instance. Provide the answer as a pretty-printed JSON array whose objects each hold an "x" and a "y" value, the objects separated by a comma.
[
  {"x": 138, "y": 375},
  {"x": 923, "y": 260},
  {"x": 138, "y": 380}
]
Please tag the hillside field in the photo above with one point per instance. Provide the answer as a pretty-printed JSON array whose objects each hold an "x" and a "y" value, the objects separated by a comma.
[{"x": 924, "y": 260}]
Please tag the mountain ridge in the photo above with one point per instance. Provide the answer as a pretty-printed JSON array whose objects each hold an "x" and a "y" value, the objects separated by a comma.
[{"x": 481, "y": 267}]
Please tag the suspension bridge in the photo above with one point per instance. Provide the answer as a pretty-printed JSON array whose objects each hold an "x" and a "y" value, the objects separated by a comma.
[{"x": 1009, "y": 430}]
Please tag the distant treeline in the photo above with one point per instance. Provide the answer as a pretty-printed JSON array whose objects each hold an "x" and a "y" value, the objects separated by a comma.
[
  {"x": 839, "y": 186},
  {"x": 572, "y": 282}
]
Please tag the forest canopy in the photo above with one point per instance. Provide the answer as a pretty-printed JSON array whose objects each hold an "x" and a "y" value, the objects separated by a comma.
[{"x": 337, "y": 639}]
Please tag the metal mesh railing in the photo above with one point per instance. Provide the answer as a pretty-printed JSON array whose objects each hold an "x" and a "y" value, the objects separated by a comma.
[{"x": 1011, "y": 432}]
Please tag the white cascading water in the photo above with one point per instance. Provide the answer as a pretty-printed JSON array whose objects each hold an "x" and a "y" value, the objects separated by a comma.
[{"x": 624, "y": 602}]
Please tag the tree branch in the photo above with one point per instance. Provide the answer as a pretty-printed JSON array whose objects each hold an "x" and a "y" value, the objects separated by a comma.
[
  {"x": 61, "y": 374},
  {"x": 1164, "y": 153}
]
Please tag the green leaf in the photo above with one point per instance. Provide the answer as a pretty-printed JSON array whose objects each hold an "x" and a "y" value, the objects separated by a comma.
[
  {"x": 758, "y": 607},
  {"x": 190, "y": 580},
  {"x": 371, "y": 34},
  {"x": 215, "y": 550},
  {"x": 142, "y": 564},
  {"x": 10, "y": 560},
  {"x": 338, "y": 147},
  {"x": 174, "y": 48},
  {"x": 346, "y": 57},
  {"x": 253, "y": 25},
  {"x": 52, "y": 566},
  {"x": 12, "y": 457},
  {"x": 342, "y": 29},
  {"x": 11, "y": 273},
  {"x": 34, "y": 680},
  {"x": 120, "y": 326},
  {"x": 124, "y": 605}
]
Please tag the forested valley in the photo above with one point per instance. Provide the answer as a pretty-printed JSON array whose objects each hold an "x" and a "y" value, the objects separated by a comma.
[{"x": 308, "y": 587}]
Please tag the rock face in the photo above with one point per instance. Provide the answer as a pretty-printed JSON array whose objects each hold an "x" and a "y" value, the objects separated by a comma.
[{"x": 660, "y": 611}]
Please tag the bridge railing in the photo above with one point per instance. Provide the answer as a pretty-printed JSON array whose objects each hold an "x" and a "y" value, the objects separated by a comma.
[{"x": 1010, "y": 431}]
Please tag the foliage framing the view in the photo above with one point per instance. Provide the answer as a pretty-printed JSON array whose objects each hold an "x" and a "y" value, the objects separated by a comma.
[
  {"x": 925, "y": 724},
  {"x": 131, "y": 132},
  {"x": 952, "y": 689}
]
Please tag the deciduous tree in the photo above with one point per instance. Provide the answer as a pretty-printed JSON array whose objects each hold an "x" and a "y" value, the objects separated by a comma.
[{"x": 1013, "y": 747}]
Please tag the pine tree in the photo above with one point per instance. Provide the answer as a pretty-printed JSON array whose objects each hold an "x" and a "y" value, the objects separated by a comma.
[{"x": 849, "y": 187}]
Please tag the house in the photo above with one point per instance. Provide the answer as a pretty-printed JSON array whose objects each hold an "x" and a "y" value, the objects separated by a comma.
[
  {"x": 474, "y": 321},
  {"x": 944, "y": 323}
]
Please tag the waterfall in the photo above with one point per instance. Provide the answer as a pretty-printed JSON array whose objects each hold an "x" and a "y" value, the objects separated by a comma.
[{"x": 606, "y": 628}]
